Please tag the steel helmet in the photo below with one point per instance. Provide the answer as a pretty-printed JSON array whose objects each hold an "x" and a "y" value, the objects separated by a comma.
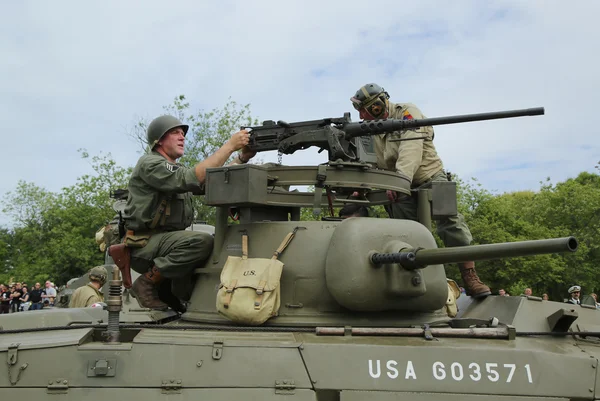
[
  {"x": 98, "y": 273},
  {"x": 373, "y": 98},
  {"x": 160, "y": 126}
]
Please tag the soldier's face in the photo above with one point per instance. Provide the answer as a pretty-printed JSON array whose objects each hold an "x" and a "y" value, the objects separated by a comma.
[
  {"x": 373, "y": 112},
  {"x": 173, "y": 143}
]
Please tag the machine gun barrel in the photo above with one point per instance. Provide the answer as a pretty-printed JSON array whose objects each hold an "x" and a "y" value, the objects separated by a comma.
[
  {"x": 373, "y": 127},
  {"x": 418, "y": 258}
]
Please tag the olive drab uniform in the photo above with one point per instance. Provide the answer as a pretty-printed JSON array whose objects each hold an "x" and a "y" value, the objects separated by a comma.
[
  {"x": 85, "y": 296},
  {"x": 159, "y": 209},
  {"x": 419, "y": 161}
]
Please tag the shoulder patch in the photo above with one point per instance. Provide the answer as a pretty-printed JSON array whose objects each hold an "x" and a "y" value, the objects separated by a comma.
[
  {"x": 171, "y": 167},
  {"x": 406, "y": 115}
]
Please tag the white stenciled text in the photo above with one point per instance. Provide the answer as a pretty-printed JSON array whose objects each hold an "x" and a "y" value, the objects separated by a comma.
[{"x": 456, "y": 371}]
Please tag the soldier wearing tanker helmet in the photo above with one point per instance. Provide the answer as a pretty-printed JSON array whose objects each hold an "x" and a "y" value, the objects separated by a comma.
[
  {"x": 159, "y": 209},
  {"x": 89, "y": 294},
  {"x": 418, "y": 161}
]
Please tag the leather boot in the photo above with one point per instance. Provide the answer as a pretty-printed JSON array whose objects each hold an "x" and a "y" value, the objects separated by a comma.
[
  {"x": 473, "y": 285},
  {"x": 145, "y": 289}
]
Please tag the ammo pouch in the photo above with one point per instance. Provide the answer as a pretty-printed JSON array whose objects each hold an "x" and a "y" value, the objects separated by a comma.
[
  {"x": 133, "y": 240},
  {"x": 250, "y": 292},
  {"x": 453, "y": 294}
]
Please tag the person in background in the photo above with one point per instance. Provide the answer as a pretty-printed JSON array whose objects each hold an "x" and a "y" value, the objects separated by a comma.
[
  {"x": 25, "y": 304},
  {"x": 575, "y": 294},
  {"x": 17, "y": 293},
  {"x": 593, "y": 294},
  {"x": 35, "y": 297},
  {"x": 90, "y": 294},
  {"x": 4, "y": 299},
  {"x": 49, "y": 293}
]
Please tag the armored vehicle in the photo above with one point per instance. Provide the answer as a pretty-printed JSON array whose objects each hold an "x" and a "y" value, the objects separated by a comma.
[{"x": 329, "y": 310}]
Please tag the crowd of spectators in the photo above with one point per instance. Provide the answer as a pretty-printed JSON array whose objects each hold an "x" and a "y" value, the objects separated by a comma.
[
  {"x": 574, "y": 295},
  {"x": 18, "y": 297}
]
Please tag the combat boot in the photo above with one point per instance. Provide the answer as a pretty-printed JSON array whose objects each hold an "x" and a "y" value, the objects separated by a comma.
[
  {"x": 145, "y": 290},
  {"x": 473, "y": 285}
]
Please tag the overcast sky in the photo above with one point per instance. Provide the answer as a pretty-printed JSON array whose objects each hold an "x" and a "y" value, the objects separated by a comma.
[{"x": 78, "y": 74}]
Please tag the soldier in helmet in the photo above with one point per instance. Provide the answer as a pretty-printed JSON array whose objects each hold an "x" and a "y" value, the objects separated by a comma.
[
  {"x": 89, "y": 294},
  {"x": 159, "y": 208},
  {"x": 416, "y": 159}
]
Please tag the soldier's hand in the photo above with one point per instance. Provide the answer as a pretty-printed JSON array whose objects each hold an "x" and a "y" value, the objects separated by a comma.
[{"x": 239, "y": 140}]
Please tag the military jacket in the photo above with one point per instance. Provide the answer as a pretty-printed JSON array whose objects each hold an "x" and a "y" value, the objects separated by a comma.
[
  {"x": 85, "y": 296},
  {"x": 160, "y": 195},
  {"x": 416, "y": 159}
]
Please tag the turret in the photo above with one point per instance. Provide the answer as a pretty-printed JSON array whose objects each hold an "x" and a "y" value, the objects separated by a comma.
[{"x": 358, "y": 271}]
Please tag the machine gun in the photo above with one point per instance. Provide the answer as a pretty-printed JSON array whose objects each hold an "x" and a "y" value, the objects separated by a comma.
[{"x": 336, "y": 134}]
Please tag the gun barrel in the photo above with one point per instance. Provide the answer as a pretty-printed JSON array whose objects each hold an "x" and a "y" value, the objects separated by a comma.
[
  {"x": 364, "y": 128},
  {"x": 418, "y": 258}
]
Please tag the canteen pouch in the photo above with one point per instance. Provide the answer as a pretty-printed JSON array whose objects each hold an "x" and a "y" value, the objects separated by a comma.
[
  {"x": 453, "y": 294},
  {"x": 250, "y": 289}
]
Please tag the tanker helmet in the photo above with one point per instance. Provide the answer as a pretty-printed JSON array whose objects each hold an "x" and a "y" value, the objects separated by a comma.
[
  {"x": 98, "y": 273},
  {"x": 160, "y": 126},
  {"x": 373, "y": 98}
]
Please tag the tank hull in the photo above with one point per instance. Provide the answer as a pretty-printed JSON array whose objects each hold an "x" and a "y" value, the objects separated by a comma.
[{"x": 170, "y": 362}]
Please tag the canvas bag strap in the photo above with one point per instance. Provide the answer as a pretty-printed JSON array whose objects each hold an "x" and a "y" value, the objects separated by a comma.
[
  {"x": 229, "y": 294},
  {"x": 286, "y": 241},
  {"x": 244, "y": 245}
]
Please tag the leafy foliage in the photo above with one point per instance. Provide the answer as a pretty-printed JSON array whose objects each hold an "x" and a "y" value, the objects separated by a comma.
[{"x": 568, "y": 208}]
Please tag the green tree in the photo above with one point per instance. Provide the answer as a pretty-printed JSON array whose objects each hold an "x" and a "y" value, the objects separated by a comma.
[
  {"x": 53, "y": 235},
  {"x": 568, "y": 208}
]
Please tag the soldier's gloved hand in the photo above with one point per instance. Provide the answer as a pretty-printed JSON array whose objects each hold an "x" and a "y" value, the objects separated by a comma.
[
  {"x": 394, "y": 196},
  {"x": 239, "y": 140}
]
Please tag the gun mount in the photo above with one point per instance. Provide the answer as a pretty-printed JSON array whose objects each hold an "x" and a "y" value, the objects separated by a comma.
[{"x": 336, "y": 134}]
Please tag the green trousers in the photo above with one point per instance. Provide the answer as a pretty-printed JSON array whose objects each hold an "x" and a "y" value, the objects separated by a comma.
[
  {"x": 176, "y": 254},
  {"x": 452, "y": 230}
]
